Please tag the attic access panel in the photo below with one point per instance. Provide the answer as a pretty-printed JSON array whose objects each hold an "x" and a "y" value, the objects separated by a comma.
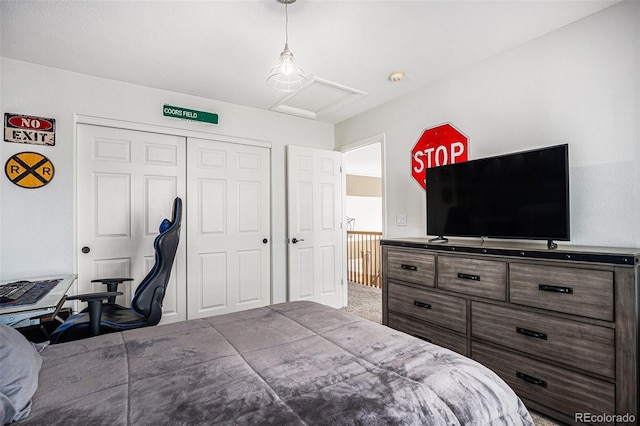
[{"x": 318, "y": 98}]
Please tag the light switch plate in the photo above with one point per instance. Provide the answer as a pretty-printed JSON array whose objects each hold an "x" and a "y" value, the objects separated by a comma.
[{"x": 401, "y": 219}]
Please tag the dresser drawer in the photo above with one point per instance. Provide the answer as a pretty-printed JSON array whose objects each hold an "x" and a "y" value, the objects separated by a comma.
[
  {"x": 563, "y": 390},
  {"x": 447, "y": 311},
  {"x": 430, "y": 333},
  {"x": 585, "y": 346},
  {"x": 584, "y": 292},
  {"x": 414, "y": 266},
  {"x": 483, "y": 278}
]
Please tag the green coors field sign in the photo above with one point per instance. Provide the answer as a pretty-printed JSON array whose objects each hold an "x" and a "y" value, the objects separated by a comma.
[{"x": 189, "y": 114}]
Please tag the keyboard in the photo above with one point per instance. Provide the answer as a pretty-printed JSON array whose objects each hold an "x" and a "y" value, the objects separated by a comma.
[{"x": 13, "y": 291}]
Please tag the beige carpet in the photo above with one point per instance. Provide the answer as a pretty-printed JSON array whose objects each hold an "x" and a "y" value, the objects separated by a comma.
[{"x": 366, "y": 302}]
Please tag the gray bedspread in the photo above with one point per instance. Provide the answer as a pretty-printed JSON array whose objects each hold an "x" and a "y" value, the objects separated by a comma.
[{"x": 291, "y": 363}]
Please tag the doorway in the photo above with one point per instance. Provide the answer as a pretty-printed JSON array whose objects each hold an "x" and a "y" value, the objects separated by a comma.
[{"x": 364, "y": 209}]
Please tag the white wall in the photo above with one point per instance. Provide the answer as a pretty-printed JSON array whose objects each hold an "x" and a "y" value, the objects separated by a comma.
[
  {"x": 367, "y": 212},
  {"x": 37, "y": 225},
  {"x": 578, "y": 85}
]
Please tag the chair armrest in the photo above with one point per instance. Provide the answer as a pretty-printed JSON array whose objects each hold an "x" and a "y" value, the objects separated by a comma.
[
  {"x": 95, "y": 307},
  {"x": 108, "y": 281},
  {"x": 90, "y": 297},
  {"x": 112, "y": 285}
]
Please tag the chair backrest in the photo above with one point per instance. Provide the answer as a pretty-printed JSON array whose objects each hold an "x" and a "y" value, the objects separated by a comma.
[{"x": 148, "y": 297}]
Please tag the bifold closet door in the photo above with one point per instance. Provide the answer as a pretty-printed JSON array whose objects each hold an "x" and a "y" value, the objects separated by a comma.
[
  {"x": 127, "y": 181},
  {"x": 229, "y": 238}
]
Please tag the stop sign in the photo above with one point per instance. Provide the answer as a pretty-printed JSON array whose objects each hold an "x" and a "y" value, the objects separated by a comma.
[{"x": 437, "y": 146}]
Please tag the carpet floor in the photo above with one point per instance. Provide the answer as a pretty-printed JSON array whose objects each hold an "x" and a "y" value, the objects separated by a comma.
[{"x": 366, "y": 302}]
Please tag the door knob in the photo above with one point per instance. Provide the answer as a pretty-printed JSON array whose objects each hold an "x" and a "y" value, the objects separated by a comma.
[
  {"x": 85, "y": 250},
  {"x": 295, "y": 240},
  {"x": 265, "y": 241}
]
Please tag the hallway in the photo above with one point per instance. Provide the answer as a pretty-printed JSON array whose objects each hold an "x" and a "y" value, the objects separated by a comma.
[{"x": 365, "y": 302}]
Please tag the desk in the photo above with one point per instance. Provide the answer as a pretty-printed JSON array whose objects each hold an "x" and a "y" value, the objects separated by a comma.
[{"x": 24, "y": 315}]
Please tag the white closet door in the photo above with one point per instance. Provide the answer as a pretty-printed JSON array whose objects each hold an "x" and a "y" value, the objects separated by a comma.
[
  {"x": 127, "y": 181},
  {"x": 229, "y": 262},
  {"x": 314, "y": 204}
]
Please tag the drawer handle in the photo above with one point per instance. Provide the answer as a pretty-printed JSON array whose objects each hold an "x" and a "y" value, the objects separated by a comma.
[
  {"x": 531, "y": 379},
  {"x": 422, "y": 304},
  {"x": 555, "y": 288},
  {"x": 422, "y": 338},
  {"x": 469, "y": 276},
  {"x": 531, "y": 333},
  {"x": 409, "y": 267}
]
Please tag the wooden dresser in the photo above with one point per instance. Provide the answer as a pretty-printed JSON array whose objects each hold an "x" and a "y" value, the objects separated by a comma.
[{"x": 559, "y": 326}]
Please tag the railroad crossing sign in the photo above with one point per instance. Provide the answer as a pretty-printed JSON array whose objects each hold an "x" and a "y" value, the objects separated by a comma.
[
  {"x": 437, "y": 146},
  {"x": 29, "y": 169}
]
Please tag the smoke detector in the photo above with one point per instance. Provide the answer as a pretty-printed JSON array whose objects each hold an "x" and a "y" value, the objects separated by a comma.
[{"x": 396, "y": 76}]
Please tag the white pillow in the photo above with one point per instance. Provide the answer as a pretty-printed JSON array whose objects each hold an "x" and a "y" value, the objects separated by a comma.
[{"x": 19, "y": 367}]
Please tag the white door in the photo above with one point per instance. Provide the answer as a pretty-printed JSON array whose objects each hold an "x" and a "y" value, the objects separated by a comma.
[
  {"x": 315, "y": 234},
  {"x": 127, "y": 181},
  {"x": 229, "y": 262}
]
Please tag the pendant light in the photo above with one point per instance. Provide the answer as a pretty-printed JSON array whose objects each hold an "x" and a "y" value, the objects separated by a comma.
[{"x": 286, "y": 76}]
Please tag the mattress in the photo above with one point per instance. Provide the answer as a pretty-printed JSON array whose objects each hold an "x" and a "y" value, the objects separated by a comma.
[{"x": 291, "y": 363}]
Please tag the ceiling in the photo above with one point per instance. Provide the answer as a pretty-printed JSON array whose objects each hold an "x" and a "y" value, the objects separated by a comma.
[{"x": 224, "y": 50}]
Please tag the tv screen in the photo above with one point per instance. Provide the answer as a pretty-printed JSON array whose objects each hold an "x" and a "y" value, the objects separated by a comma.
[{"x": 521, "y": 195}]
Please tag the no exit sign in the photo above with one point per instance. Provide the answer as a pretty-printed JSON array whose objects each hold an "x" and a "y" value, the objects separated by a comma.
[{"x": 29, "y": 129}]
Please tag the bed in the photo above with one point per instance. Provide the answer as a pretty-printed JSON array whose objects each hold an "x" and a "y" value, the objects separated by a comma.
[{"x": 291, "y": 363}]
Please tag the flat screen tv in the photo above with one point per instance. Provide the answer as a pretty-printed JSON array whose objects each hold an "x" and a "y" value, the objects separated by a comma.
[{"x": 524, "y": 195}]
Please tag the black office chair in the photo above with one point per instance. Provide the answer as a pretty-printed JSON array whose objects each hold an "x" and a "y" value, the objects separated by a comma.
[{"x": 146, "y": 306}]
